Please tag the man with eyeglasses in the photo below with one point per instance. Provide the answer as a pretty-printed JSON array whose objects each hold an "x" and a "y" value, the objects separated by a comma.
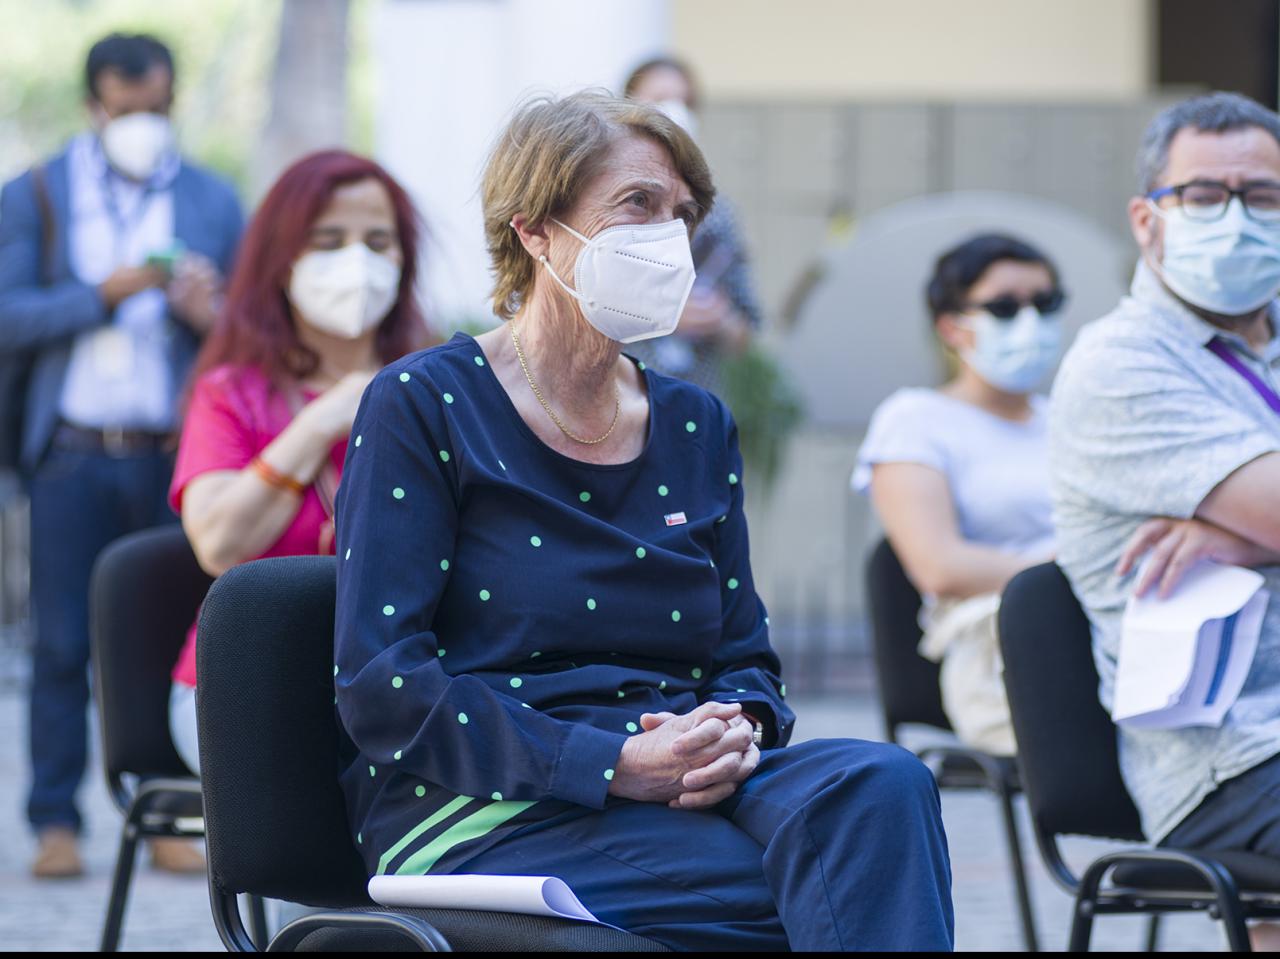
[{"x": 1165, "y": 450}]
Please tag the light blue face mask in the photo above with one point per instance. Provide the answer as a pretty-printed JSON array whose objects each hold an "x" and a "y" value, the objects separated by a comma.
[
  {"x": 1230, "y": 266},
  {"x": 1013, "y": 355}
]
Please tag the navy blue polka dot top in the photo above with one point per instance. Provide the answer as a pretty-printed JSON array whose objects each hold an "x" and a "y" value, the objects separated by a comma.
[{"x": 506, "y": 613}]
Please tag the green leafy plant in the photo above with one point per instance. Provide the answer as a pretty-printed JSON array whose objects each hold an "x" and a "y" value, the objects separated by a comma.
[{"x": 767, "y": 409}]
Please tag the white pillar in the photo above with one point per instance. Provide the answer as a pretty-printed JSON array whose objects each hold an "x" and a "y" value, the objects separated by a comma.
[{"x": 448, "y": 74}]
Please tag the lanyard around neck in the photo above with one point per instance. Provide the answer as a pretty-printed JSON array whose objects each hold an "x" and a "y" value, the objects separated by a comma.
[{"x": 1219, "y": 346}]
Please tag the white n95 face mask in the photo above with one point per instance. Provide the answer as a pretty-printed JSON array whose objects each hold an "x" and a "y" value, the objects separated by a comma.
[
  {"x": 344, "y": 292},
  {"x": 631, "y": 281},
  {"x": 1014, "y": 355},
  {"x": 1230, "y": 266},
  {"x": 137, "y": 143}
]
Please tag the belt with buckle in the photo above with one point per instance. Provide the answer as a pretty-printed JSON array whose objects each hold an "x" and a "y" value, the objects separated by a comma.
[{"x": 110, "y": 440}]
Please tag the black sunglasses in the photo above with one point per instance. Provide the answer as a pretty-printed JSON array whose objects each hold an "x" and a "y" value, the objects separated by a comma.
[{"x": 1007, "y": 307}]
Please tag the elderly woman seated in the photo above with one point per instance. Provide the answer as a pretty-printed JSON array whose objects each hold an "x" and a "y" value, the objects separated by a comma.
[{"x": 550, "y": 656}]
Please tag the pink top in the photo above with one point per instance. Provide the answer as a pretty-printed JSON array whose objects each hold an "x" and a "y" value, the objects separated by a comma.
[{"x": 234, "y": 413}]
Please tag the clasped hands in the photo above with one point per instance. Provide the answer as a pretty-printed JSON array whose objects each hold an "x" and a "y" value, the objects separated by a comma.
[
  {"x": 693, "y": 761},
  {"x": 1175, "y": 545}
]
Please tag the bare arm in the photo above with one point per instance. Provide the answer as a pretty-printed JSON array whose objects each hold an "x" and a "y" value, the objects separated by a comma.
[
  {"x": 1247, "y": 502},
  {"x": 231, "y": 516},
  {"x": 914, "y": 504}
]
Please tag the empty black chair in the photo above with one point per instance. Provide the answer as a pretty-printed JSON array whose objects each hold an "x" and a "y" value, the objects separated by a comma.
[
  {"x": 144, "y": 594},
  {"x": 275, "y": 816},
  {"x": 909, "y": 695},
  {"x": 1071, "y": 776}
]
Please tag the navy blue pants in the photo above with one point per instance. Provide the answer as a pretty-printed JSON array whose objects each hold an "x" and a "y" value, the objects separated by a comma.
[
  {"x": 80, "y": 502},
  {"x": 1242, "y": 814},
  {"x": 833, "y": 844}
]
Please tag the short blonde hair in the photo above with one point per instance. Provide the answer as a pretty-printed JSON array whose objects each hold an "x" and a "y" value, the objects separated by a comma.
[{"x": 540, "y": 163}]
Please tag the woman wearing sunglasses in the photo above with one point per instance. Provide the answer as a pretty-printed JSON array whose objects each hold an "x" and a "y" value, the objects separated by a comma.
[{"x": 959, "y": 474}]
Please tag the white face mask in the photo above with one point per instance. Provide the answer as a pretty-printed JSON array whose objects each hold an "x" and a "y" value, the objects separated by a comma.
[
  {"x": 1013, "y": 355},
  {"x": 137, "y": 143},
  {"x": 680, "y": 113},
  {"x": 631, "y": 281},
  {"x": 344, "y": 292},
  {"x": 1230, "y": 266}
]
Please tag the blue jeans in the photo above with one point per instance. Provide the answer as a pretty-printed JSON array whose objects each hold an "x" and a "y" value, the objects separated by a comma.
[{"x": 80, "y": 502}]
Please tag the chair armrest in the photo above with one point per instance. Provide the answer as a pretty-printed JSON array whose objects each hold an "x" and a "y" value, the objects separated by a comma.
[{"x": 418, "y": 931}]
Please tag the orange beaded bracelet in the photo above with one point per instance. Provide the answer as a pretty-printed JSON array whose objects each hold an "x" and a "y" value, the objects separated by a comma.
[{"x": 274, "y": 478}]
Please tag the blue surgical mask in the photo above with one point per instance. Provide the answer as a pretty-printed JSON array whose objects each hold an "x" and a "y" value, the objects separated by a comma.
[
  {"x": 1013, "y": 355},
  {"x": 1230, "y": 266}
]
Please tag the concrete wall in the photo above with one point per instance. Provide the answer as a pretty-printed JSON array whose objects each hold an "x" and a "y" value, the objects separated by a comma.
[{"x": 937, "y": 49}]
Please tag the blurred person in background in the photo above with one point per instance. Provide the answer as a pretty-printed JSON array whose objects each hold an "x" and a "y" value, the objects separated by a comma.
[
  {"x": 112, "y": 255},
  {"x": 323, "y": 298},
  {"x": 959, "y": 475},
  {"x": 1165, "y": 440},
  {"x": 722, "y": 312}
]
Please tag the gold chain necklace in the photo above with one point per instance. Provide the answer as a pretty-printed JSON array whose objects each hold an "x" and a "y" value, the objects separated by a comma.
[{"x": 617, "y": 398}]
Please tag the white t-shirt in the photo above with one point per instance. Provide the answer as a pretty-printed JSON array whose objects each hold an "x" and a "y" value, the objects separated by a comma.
[{"x": 997, "y": 470}]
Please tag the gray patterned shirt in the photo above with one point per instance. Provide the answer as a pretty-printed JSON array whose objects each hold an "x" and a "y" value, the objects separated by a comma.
[{"x": 1145, "y": 421}]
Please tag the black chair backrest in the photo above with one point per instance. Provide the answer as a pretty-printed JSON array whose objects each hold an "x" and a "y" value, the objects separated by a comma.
[
  {"x": 1066, "y": 740},
  {"x": 144, "y": 594},
  {"x": 909, "y": 691},
  {"x": 275, "y": 816}
]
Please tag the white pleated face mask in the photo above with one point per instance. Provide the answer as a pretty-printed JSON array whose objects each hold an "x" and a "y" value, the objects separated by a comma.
[
  {"x": 137, "y": 143},
  {"x": 631, "y": 281},
  {"x": 344, "y": 292}
]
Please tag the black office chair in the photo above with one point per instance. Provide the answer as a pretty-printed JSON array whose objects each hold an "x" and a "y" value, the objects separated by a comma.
[
  {"x": 275, "y": 816},
  {"x": 909, "y": 695},
  {"x": 144, "y": 594},
  {"x": 1071, "y": 776}
]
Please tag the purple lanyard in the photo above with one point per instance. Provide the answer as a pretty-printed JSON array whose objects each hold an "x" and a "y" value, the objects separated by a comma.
[{"x": 1228, "y": 356}]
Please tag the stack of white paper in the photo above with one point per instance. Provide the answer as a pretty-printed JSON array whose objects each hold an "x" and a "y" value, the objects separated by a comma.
[
  {"x": 533, "y": 895},
  {"x": 1184, "y": 659}
]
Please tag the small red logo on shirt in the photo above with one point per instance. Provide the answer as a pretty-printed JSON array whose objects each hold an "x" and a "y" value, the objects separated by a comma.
[{"x": 675, "y": 519}]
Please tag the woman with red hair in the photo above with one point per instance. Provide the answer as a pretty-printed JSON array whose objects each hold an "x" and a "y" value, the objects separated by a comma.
[{"x": 321, "y": 299}]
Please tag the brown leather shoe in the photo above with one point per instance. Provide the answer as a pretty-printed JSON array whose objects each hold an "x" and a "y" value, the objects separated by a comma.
[
  {"x": 176, "y": 855},
  {"x": 58, "y": 856}
]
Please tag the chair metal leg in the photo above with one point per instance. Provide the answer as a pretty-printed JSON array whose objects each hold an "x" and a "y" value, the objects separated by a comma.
[
  {"x": 1153, "y": 933},
  {"x": 128, "y": 854},
  {"x": 258, "y": 930},
  {"x": 1018, "y": 867},
  {"x": 1081, "y": 924}
]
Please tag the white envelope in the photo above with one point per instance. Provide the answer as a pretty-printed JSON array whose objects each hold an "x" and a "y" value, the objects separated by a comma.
[{"x": 1184, "y": 659}]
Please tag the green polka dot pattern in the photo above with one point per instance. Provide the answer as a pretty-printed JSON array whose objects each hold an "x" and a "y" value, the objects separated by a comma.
[
  {"x": 479, "y": 361},
  {"x": 516, "y": 682},
  {"x": 398, "y": 493},
  {"x": 733, "y": 479},
  {"x": 608, "y": 774},
  {"x": 675, "y": 616},
  {"x": 632, "y": 728},
  {"x": 696, "y": 672},
  {"x": 404, "y": 377},
  {"x": 496, "y": 797},
  {"x": 640, "y": 553},
  {"x": 388, "y": 610},
  {"x": 591, "y": 604},
  {"x": 444, "y": 565},
  {"x": 398, "y": 753},
  {"x": 584, "y": 497},
  {"x": 372, "y": 772},
  {"x": 535, "y": 541},
  {"x": 732, "y": 584},
  {"x": 397, "y": 682},
  {"x": 462, "y": 718},
  {"x": 691, "y": 427},
  {"x": 419, "y": 791},
  {"x": 444, "y": 456},
  {"x": 448, "y": 398},
  {"x": 359, "y": 440},
  {"x": 484, "y": 595},
  {"x": 663, "y": 491}
]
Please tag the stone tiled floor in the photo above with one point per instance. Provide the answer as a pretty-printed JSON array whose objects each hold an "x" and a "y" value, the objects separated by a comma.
[{"x": 172, "y": 914}]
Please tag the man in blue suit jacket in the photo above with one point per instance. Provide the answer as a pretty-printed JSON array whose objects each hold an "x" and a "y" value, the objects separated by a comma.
[{"x": 112, "y": 258}]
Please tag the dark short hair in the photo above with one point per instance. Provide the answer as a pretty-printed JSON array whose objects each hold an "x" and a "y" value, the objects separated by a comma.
[
  {"x": 131, "y": 55},
  {"x": 961, "y": 267},
  {"x": 665, "y": 63},
  {"x": 1209, "y": 113}
]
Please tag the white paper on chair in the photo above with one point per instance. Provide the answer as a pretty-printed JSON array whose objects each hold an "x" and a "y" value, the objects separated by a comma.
[
  {"x": 533, "y": 895},
  {"x": 1184, "y": 659}
]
